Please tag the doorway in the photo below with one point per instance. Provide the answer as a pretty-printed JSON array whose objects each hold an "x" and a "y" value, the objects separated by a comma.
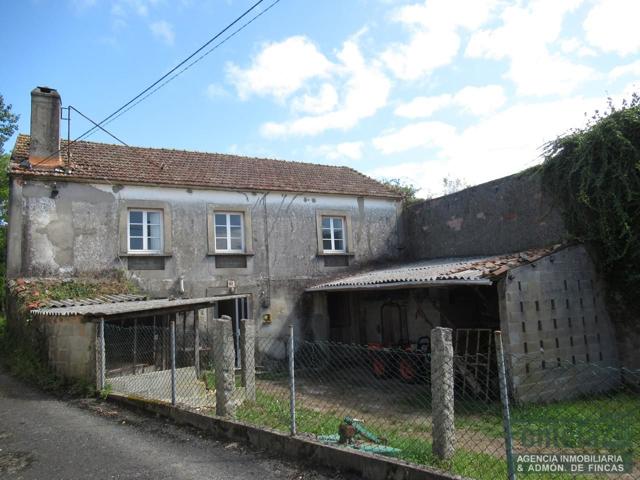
[{"x": 236, "y": 309}]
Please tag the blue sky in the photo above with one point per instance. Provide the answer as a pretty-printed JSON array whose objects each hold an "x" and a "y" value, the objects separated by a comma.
[{"x": 419, "y": 90}]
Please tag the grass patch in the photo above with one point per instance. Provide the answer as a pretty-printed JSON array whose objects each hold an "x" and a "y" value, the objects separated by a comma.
[{"x": 273, "y": 412}]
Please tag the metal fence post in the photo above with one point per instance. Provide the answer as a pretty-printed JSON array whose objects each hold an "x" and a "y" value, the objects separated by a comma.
[
  {"x": 102, "y": 355},
  {"x": 173, "y": 360},
  {"x": 504, "y": 397},
  {"x": 292, "y": 382}
]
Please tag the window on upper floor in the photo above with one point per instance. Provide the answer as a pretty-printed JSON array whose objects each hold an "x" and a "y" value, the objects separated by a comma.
[
  {"x": 145, "y": 231},
  {"x": 229, "y": 232},
  {"x": 333, "y": 234}
]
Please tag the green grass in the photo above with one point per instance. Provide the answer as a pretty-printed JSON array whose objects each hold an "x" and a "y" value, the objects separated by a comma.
[
  {"x": 606, "y": 416},
  {"x": 272, "y": 411}
]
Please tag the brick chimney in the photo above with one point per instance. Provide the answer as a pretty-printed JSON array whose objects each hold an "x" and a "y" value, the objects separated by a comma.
[{"x": 44, "y": 150}]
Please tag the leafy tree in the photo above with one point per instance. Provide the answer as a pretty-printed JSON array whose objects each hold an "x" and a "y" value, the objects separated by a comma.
[
  {"x": 8, "y": 126},
  {"x": 595, "y": 173},
  {"x": 405, "y": 189},
  {"x": 8, "y": 123}
]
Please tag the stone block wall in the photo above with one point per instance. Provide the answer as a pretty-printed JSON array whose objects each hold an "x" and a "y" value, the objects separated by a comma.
[
  {"x": 71, "y": 343},
  {"x": 506, "y": 215},
  {"x": 558, "y": 331}
]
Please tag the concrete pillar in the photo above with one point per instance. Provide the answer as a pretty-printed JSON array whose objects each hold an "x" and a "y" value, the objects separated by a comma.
[
  {"x": 442, "y": 393},
  {"x": 224, "y": 363},
  {"x": 248, "y": 357}
]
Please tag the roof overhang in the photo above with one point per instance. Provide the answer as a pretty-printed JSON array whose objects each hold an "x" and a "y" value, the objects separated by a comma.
[
  {"x": 400, "y": 285},
  {"x": 134, "y": 309}
]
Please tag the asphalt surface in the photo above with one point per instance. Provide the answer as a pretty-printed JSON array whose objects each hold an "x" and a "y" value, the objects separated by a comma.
[{"x": 43, "y": 437}]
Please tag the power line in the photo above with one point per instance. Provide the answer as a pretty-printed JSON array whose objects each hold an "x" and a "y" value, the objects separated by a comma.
[
  {"x": 97, "y": 125},
  {"x": 224, "y": 40},
  {"x": 148, "y": 90}
]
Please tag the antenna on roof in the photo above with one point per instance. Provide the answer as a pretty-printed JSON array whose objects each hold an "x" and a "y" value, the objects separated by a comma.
[{"x": 68, "y": 119}]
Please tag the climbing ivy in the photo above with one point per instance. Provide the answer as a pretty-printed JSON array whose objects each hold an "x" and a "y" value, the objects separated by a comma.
[{"x": 595, "y": 173}]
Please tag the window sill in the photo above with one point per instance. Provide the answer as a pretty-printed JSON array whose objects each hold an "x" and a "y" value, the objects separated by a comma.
[
  {"x": 230, "y": 254},
  {"x": 336, "y": 254},
  {"x": 142, "y": 254}
]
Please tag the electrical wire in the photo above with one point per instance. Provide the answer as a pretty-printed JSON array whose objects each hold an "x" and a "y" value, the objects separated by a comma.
[{"x": 148, "y": 91}]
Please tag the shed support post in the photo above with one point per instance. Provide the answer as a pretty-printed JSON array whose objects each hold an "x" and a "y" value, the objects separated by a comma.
[
  {"x": 248, "y": 358},
  {"x": 100, "y": 357},
  {"x": 442, "y": 393},
  {"x": 292, "y": 381},
  {"x": 173, "y": 359},
  {"x": 196, "y": 343},
  {"x": 224, "y": 363},
  {"x": 135, "y": 344}
]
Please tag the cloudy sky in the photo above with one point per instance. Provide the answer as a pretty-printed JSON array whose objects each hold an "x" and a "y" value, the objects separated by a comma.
[{"x": 422, "y": 90}]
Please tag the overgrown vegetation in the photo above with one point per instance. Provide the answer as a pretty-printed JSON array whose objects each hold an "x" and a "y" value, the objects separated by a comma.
[
  {"x": 23, "y": 357},
  {"x": 406, "y": 190},
  {"x": 595, "y": 173},
  {"x": 23, "y": 348},
  {"x": 34, "y": 293},
  {"x": 8, "y": 126}
]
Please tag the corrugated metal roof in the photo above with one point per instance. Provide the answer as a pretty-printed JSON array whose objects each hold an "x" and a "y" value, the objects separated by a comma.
[
  {"x": 437, "y": 272},
  {"x": 75, "y": 302},
  {"x": 105, "y": 310}
]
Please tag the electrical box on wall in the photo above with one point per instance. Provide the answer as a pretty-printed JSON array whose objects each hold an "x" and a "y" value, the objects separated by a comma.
[{"x": 266, "y": 318}]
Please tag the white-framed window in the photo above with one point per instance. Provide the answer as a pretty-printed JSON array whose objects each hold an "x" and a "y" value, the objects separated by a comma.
[
  {"x": 333, "y": 234},
  {"x": 144, "y": 231},
  {"x": 229, "y": 232}
]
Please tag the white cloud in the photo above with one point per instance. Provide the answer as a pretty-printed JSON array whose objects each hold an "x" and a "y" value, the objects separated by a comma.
[
  {"x": 499, "y": 145},
  {"x": 425, "y": 52},
  {"x": 339, "y": 151},
  {"x": 434, "y": 40},
  {"x": 475, "y": 100},
  {"x": 480, "y": 100},
  {"x": 524, "y": 37},
  {"x": 324, "y": 101},
  {"x": 423, "y": 134},
  {"x": 632, "y": 68},
  {"x": 423, "y": 107},
  {"x": 280, "y": 69},
  {"x": 612, "y": 26},
  {"x": 364, "y": 92},
  {"x": 164, "y": 31}
]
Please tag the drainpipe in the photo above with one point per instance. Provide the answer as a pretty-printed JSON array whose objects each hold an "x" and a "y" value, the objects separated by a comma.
[{"x": 266, "y": 301}]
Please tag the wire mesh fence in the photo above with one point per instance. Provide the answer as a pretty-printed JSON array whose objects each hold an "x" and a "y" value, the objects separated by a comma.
[{"x": 440, "y": 408}]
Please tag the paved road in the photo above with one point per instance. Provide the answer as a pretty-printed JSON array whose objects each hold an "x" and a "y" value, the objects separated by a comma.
[{"x": 42, "y": 437}]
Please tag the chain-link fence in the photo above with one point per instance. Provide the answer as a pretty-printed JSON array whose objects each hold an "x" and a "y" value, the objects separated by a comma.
[{"x": 437, "y": 408}]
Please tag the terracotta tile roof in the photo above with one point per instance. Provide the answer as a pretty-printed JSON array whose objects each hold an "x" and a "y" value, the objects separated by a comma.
[{"x": 101, "y": 162}]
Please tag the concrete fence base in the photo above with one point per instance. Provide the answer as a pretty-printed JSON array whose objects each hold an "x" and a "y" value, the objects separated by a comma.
[{"x": 296, "y": 448}]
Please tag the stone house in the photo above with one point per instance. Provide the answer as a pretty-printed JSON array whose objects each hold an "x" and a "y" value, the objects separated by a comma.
[
  {"x": 191, "y": 224},
  {"x": 324, "y": 248}
]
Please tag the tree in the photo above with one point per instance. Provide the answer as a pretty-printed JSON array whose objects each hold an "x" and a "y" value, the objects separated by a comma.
[
  {"x": 8, "y": 126},
  {"x": 405, "y": 189},
  {"x": 8, "y": 123}
]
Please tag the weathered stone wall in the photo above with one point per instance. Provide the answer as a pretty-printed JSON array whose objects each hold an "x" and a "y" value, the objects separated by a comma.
[
  {"x": 70, "y": 343},
  {"x": 79, "y": 232},
  {"x": 506, "y": 215},
  {"x": 556, "y": 322}
]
